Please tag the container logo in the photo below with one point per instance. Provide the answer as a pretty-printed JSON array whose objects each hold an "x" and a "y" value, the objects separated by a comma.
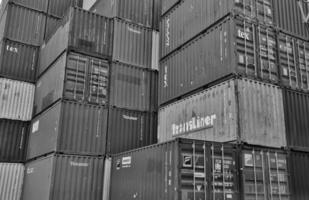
[
  {"x": 305, "y": 16},
  {"x": 195, "y": 124},
  {"x": 133, "y": 30},
  {"x": 11, "y": 49},
  {"x": 77, "y": 164},
  {"x": 30, "y": 170},
  {"x": 165, "y": 84},
  {"x": 167, "y": 33},
  {"x": 243, "y": 34},
  {"x": 129, "y": 117}
]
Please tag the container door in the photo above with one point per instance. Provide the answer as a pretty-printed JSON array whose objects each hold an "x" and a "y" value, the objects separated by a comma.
[
  {"x": 278, "y": 176},
  {"x": 223, "y": 174},
  {"x": 264, "y": 11},
  {"x": 253, "y": 175},
  {"x": 246, "y": 48},
  {"x": 193, "y": 184},
  {"x": 98, "y": 81},
  {"x": 287, "y": 61},
  {"x": 267, "y": 54},
  {"x": 76, "y": 77},
  {"x": 303, "y": 62}
]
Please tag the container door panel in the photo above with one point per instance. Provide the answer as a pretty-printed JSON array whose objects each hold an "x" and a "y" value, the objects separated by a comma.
[{"x": 303, "y": 62}]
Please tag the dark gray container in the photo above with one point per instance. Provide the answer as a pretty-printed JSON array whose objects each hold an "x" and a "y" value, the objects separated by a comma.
[
  {"x": 291, "y": 17},
  {"x": 74, "y": 77},
  {"x": 129, "y": 130},
  {"x": 294, "y": 62},
  {"x": 237, "y": 47},
  {"x": 58, "y": 8},
  {"x": 296, "y": 108},
  {"x": 82, "y": 31},
  {"x": 13, "y": 140},
  {"x": 189, "y": 18},
  {"x": 69, "y": 127},
  {"x": 23, "y": 25},
  {"x": 299, "y": 164},
  {"x": 133, "y": 87},
  {"x": 136, "y": 11},
  {"x": 18, "y": 61},
  {"x": 39, "y": 5},
  {"x": 180, "y": 170},
  {"x": 64, "y": 177}
]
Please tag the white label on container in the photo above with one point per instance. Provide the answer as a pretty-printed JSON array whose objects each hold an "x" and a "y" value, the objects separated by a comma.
[
  {"x": 126, "y": 161},
  {"x": 30, "y": 170},
  {"x": 129, "y": 117},
  {"x": 77, "y": 164},
  {"x": 35, "y": 126},
  {"x": 133, "y": 30},
  {"x": 229, "y": 196},
  {"x": 248, "y": 160}
]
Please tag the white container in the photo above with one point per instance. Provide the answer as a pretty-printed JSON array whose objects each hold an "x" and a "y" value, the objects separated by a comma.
[
  {"x": 16, "y": 100},
  {"x": 11, "y": 181}
]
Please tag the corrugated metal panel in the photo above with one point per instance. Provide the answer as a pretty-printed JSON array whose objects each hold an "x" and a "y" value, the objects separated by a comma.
[
  {"x": 133, "y": 87},
  {"x": 199, "y": 170},
  {"x": 234, "y": 50},
  {"x": 64, "y": 177},
  {"x": 69, "y": 127},
  {"x": 81, "y": 31},
  {"x": 189, "y": 18},
  {"x": 18, "y": 61},
  {"x": 39, "y": 5},
  {"x": 302, "y": 48},
  {"x": 130, "y": 129},
  {"x": 51, "y": 24},
  {"x": 59, "y": 8},
  {"x": 107, "y": 177},
  {"x": 157, "y": 6},
  {"x": 241, "y": 109},
  {"x": 80, "y": 78},
  {"x": 13, "y": 140},
  {"x": 296, "y": 106},
  {"x": 132, "y": 44},
  {"x": 299, "y": 164},
  {"x": 290, "y": 16},
  {"x": 11, "y": 181},
  {"x": 16, "y": 100},
  {"x": 264, "y": 174},
  {"x": 167, "y": 4},
  {"x": 24, "y": 25},
  {"x": 136, "y": 11}
]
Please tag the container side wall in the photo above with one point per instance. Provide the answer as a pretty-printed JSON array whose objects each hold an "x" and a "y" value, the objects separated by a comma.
[
  {"x": 51, "y": 24},
  {"x": 16, "y": 100},
  {"x": 11, "y": 180},
  {"x": 13, "y": 140},
  {"x": 18, "y": 61},
  {"x": 296, "y": 107},
  {"x": 39, "y": 5},
  {"x": 261, "y": 113},
  {"x": 78, "y": 178},
  {"x": 59, "y": 8},
  {"x": 130, "y": 130},
  {"x": 207, "y": 115},
  {"x": 132, "y": 44}
]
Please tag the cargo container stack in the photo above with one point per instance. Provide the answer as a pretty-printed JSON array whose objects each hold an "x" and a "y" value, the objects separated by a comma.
[
  {"x": 95, "y": 94},
  {"x": 229, "y": 125}
]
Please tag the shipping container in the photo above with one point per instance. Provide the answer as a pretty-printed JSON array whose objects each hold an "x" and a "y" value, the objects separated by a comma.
[
  {"x": 11, "y": 181},
  {"x": 135, "y": 45},
  {"x": 128, "y": 129},
  {"x": 58, "y": 8},
  {"x": 52, "y": 23},
  {"x": 133, "y": 87},
  {"x": 18, "y": 61},
  {"x": 264, "y": 174},
  {"x": 291, "y": 16},
  {"x": 299, "y": 164},
  {"x": 69, "y": 127},
  {"x": 63, "y": 177},
  {"x": 296, "y": 108},
  {"x": 13, "y": 140},
  {"x": 81, "y": 31},
  {"x": 294, "y": 62},
  {"x": 74, "y": 77},
  {"x": 189, "y": 18},
  {"x": 240, "y": 110},
  {"x": 23, "y": 25},
  {"x": 16, "y": 100},
  {"x": 237, "y": 47},
  {"x": 136, "y": 11},
  {"x": 39, "y": 5},
  {"x": 180, "y": 170}
]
